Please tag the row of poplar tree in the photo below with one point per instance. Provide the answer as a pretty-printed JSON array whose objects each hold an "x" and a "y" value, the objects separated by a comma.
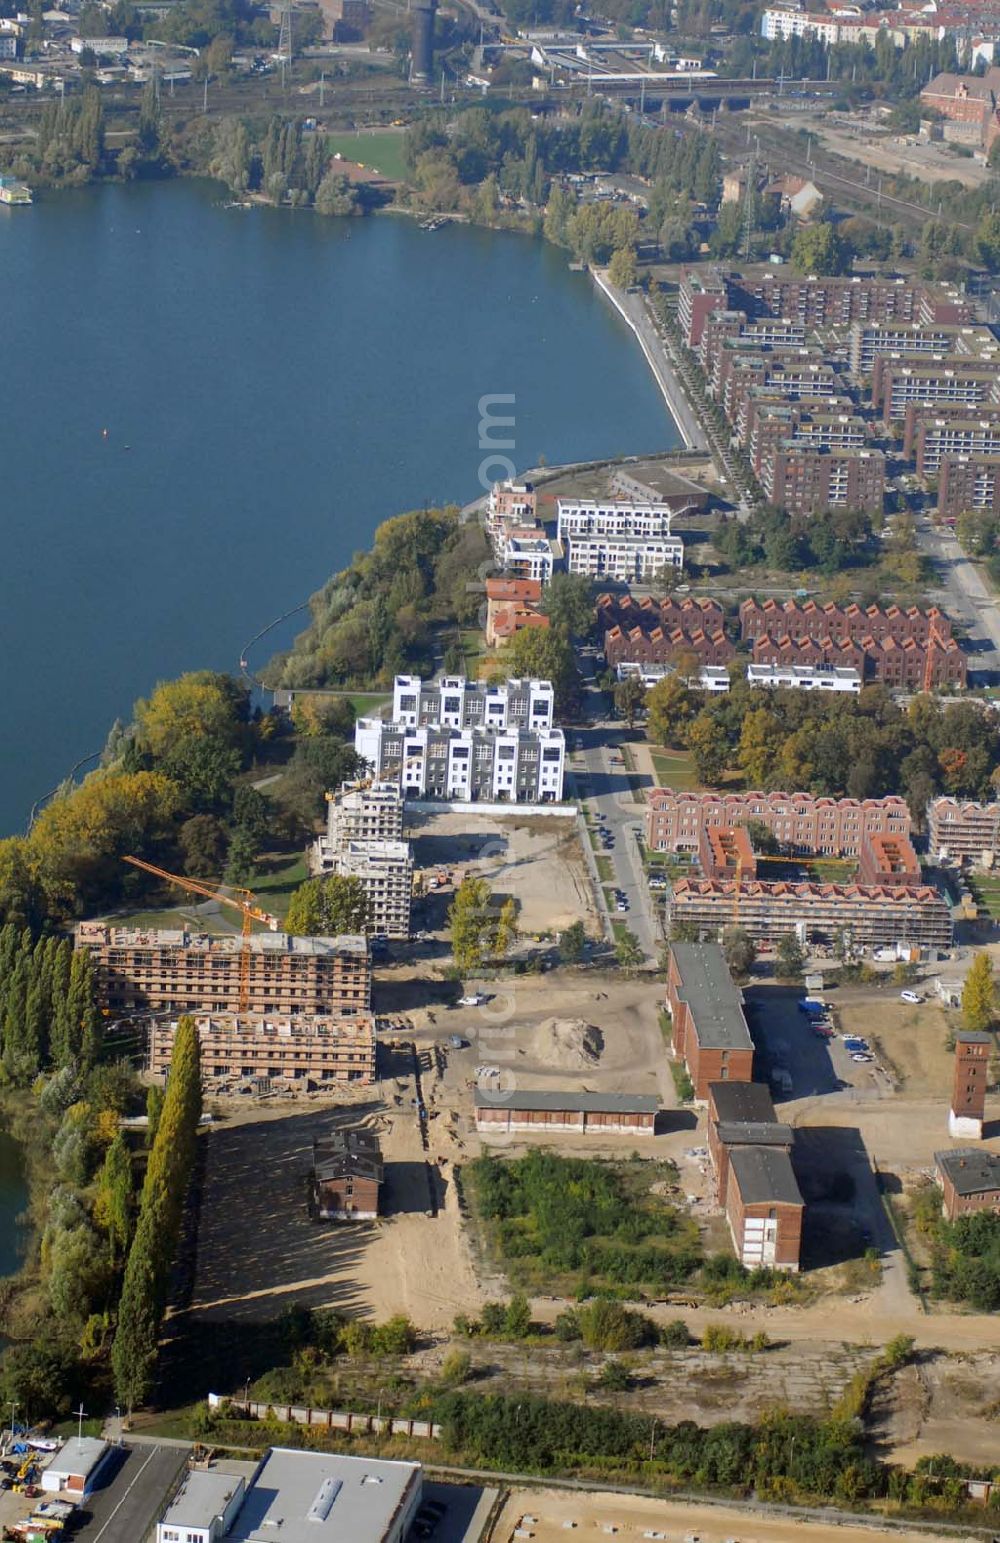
[
  {"x": 48, "y": 1013},
  {"x": 158, "y": 1226}
]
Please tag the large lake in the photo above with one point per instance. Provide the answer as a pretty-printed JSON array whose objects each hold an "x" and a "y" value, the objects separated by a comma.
[{"x": 272, "y": 385}]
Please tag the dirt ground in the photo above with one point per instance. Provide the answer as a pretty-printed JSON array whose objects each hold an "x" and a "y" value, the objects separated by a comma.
[
  {"x": 547, "y": 1515},
  {"x": 913, "y": 1040},
  {"x": 536, "y": 859},
  {"x": 942, "y": 1404},
  {"x": 930, "y": 162}
]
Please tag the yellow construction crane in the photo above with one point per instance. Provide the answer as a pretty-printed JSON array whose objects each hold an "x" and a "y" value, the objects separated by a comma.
[{"x": 242, "y": 900}]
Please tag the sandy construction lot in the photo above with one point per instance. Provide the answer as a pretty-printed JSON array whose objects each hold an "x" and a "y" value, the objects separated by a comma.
[
  {"x": 547, "y": 1516},
  {"x": 913, "y": 1039},
  {"x": 536, "y": 858}
]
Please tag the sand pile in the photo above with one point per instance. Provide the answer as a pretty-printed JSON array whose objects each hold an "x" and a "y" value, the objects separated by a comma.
[{"x": 569, "y": 1043}]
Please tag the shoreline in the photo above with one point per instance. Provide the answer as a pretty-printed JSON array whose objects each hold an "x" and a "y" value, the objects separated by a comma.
[{"x": 659, "y": 362}]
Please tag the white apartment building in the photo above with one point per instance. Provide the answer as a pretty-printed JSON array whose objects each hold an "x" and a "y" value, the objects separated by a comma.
[
  {"x": 624, "y": 560},
  {"x": 804, "y": 677},
  {"x": 613, "y": 517},
  {"x": 529, "y": 554},
  {"x": 456, "y": 703},
  {"x": 779, "y": 23},
  {"x": 711, "y": 677},
  {"x": 471, "y": 764}
]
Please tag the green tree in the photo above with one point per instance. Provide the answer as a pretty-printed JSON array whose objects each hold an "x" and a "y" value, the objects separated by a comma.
[
  {"x": 709, "y": 749},
  {"x": 573, "y": 943},
  {"x": 738, "y": 947},
  {"x": 470, "y": 918},
  {"x": 979, "y": 995},
  {"x": 329, "y": 906},
  {"x": 789, "y": 957},
  {"x": 623, "y": 269},
  {"x": 568, "y": 602},
  {"x": 113, "y": 1205},
  {"x": 670, "y": 707},
  {"x": 819, "y": 249},
  {"x": 506, "y": 934},
  {"x": 629, "y": 697},
  {"x": 628, "y": 952}
]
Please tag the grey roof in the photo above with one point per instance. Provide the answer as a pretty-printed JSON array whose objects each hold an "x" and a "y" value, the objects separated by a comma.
[
  {"x": 79, "y": 1455},
  {"x": 755, "y": 1133},
  {"x": 716, "y": 1003},
  {"x": 321, "y": 1497},
  {"x": 344, "y": 1153},
  {"x": 966, "y": 1038},
  {"x": 576, "y": 1103},
  {"x": 970, "y": 1169},
  {"x": 765, "y": 1176},
  {"x": 742, "y": 1101},
  {"x": 202, "y": 1497}
]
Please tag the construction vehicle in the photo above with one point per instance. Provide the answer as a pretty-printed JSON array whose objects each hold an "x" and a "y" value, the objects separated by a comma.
[{"x": 242, "y": 900}]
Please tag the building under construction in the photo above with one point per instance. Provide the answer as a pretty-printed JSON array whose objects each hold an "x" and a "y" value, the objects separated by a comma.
[
  {"x": 300, "y": 1052},
  {"x": 422, "y": 55},
  {"x": 158, "y": 970},
  {"x": 869, "y": 915}
]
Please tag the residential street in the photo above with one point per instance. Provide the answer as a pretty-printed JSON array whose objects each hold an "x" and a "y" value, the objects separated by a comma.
[{"x": 965, "y": 596}]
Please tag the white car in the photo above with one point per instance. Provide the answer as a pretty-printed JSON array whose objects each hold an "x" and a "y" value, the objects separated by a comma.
[
  {"x": 475, "y": 1000},
  {"x": 913, "y": 997}
]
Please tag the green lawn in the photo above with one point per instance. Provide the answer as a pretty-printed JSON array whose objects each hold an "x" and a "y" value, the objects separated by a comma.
[
  {"x": 277, "y": 879},
  {"x": 605, "y": 871},
  {"x": 674, "y": 769},
  {"x": 986, "y": 893},
  {"x": 378, "y": 150},
  {"x": 365, "y": 702}
]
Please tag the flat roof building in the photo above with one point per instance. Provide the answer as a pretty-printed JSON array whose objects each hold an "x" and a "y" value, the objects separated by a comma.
[
  {"x": 468, "y": 765},
  {"x": 203, "y": 1508},
  {"x": 456, "y": 703},
  {"x": 312, "y": 1497},
  {"x": 75, "y": 1467}
]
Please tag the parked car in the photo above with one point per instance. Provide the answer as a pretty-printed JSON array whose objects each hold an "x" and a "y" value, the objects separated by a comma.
[
  {"x": 913, "y": 997},
  {"x": 475, "y": 999},
  {"x": 861, "y": 1055}
]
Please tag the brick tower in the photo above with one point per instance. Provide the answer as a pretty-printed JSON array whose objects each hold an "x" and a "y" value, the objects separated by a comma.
[{"x": 968, "y": 1094}]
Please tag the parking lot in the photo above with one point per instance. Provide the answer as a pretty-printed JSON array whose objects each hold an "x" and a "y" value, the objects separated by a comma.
[{"x": 817, "y": 1067}]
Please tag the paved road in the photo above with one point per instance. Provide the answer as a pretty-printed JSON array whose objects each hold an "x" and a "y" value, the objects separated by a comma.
[
  {"x": 610, "y": 797},
  {"x": 125, "y": 1508},
  {"x": 965, "y": 594}
]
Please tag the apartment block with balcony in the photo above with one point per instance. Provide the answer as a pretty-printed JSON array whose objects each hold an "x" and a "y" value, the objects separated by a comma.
[
  {"x": 873, "y": 915},
  {"x": 465, "y": 765},
  {"x": 936, "y": 438},
  {"x": 867, "y": 340},
  {"x": 299, "y": 1051},
  {"x": 807, "y": 482},
  {"x": 963, "y": 831},
  {"x": 946, "y": 381},
  {"x": 155, "y": 970},
  {"x": 456, "y": 703},
  {"x": 700, "y": 292},
  {"x": 968, "y": 482}
]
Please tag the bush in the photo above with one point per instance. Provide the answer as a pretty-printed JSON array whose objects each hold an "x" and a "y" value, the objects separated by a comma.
[
  {"x": 615, "y": 1376},
  {"x": 675, "y": 1334},
  {"x": 607, "y": 1325},
  {"x": 456, "y": 1368}
]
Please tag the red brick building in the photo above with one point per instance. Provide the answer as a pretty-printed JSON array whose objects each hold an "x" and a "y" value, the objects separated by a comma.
[
  {"x": 807, "y": 481},
  {"x": 347, "y": 1176},
  {"x": 710, "y": 1033},
  {"x": 690, "y": 615},
  {"x": 764, "y": 1208},
  {"x": 510, "y": 605},
  {"x": 740, "y": 1114},
  {"x": 592, "y": 1114},
  {"x": 901, "y": 666},
  {"x": 806, "y": 619},
  {"x": 969, "y": 482},
  {"x": 662, "y": 646},
  {"x": 803, "y": 823},
  {"x": 968, "y": 1094},
  {"x": 888, "y": 860},
  {"x": 724, "y": 852},
  {"x": 967, "y": 99},
  {"x": 970, "y": 1181}
]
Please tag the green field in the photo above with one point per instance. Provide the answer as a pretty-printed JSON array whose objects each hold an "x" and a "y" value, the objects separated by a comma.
[
  {"x": 276, "y": 880},
  {"x": 674, "y": 769},
  {"x": 986, "y": 892},
  {"x": 375, "y": 149}
]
